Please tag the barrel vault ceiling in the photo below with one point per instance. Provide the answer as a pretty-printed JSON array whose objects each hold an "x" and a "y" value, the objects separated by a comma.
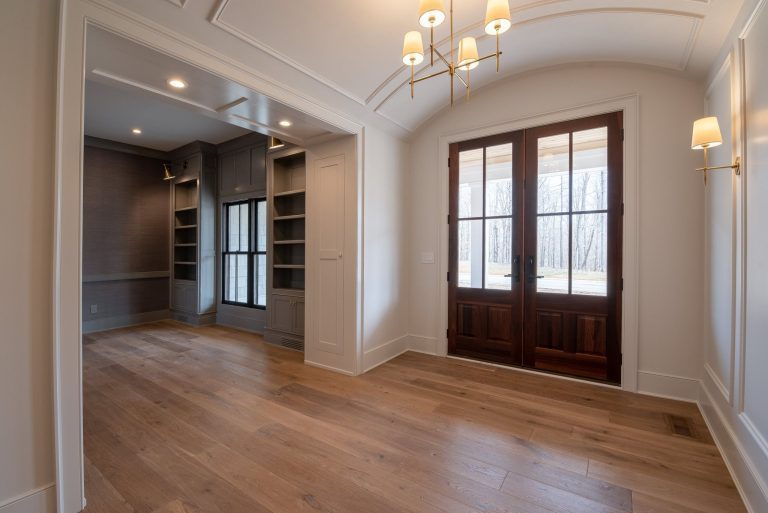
[{"x": 352, "y": 48}]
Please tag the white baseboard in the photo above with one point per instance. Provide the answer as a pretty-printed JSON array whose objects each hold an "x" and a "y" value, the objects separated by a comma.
[
  {"x": 383, "y": 353},
  {"x": 328, "y": 367},
  {"x": 421, "y": 344},
  {"x": 666, "y": 385},
  {"x": 39, "y": 500},
  {"x": 753, "y": 489}
]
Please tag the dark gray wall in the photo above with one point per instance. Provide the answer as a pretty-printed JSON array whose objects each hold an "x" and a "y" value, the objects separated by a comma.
[{"x": 125, "y": 237}]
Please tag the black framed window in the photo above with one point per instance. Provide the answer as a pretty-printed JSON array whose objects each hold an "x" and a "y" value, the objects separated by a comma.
[{"x": 244, "y": 255}]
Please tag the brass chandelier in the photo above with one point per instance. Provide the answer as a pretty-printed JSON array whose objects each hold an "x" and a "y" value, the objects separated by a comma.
[{"x": 431, "y": 14}]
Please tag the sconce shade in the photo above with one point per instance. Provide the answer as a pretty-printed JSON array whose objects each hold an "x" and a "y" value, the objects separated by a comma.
[
  {"x": 468, "y": 56},
  {"x": 497, "y": 17},
  {"x": 413, "y": 48},
  {"x": 431, "y": 13},
  {"x": 706, "y": 134},
  {"x": 167, "y": 175}
]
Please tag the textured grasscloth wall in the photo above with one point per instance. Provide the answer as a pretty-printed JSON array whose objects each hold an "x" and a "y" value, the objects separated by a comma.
[{"x": 125, "y": 231}]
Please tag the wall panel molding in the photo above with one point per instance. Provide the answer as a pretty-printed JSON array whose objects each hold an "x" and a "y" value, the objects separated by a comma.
[
  {"x": 39, "y": 500},
  {"x": 217, "y": 21}
]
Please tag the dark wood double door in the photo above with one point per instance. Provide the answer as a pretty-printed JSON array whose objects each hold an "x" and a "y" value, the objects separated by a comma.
[{"x": 535, "y": 248}]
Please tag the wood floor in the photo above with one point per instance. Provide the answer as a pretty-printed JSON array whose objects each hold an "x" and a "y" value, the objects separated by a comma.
[{"x": 212, "y": 420}]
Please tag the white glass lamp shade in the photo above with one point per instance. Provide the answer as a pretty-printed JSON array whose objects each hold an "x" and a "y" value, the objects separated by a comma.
[
  {"x": 497, "y": 17},
  {"x": 431, "y": 13},
  {"x": 706, "y": 134},
  {"x": 468, "y": 56},
  {"x": 413, "y": 48}
]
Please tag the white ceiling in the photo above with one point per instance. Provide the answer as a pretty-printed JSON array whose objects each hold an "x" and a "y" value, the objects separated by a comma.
[
  {"x": 354, "y": 47},
  {"x": 127, "y": 88}
]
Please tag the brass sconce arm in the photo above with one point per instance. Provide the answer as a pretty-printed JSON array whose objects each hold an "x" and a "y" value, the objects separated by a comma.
[{"x": 735, "y": 166}]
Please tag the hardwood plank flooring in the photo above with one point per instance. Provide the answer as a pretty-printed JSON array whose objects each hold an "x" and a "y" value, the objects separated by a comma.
[{"x": 212, "y": 420}]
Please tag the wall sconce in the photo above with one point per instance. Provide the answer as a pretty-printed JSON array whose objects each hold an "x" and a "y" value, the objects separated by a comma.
[
  {"x": 167, "y": 175},
  {"x": 706, "y": 134}
]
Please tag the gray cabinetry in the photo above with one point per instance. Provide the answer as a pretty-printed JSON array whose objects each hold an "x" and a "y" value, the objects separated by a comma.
[
  {"x": 193, "y": 292},
  {"x": 242, "y": 166},
  {"x": 286, "y": 222}
]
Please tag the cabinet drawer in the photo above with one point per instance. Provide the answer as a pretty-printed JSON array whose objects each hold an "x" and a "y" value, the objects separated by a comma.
[{"x": 185, "y": 297}]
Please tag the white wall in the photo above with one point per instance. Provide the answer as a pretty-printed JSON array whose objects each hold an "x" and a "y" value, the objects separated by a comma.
[
  {"x": 734, "y": 383},
  {"x": 28, "y": 32},
  {"x": 385, "y": 274},
  {"x": 671, "y": 205}
]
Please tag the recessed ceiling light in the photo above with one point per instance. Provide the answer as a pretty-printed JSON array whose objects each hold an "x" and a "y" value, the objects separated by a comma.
[
  {"x": 177, "y": 83},
  {"x": 136, "y": 131},
  {"x": 285, "y": 123}
]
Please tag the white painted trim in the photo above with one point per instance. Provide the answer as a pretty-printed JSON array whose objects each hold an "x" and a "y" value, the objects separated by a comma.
[
  {"x": 422, "y": 344},
  {"x": 668, "y": 386},
  {"x": 384, "y": 352},
  {"x": 39, "y": 500},
  {"x": 717, "y": 382},
  {"x": 746, "y": 421},
  {"x": 329, "y": 368},
  {"x": 630, "y": 105},
  {"x": 752, "y": 489},
  {"x": 216, "y": 21},
  {"x": 179, "y": 3}
]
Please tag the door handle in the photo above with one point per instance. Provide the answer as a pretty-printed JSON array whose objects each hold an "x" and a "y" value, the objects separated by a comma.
[
  {"x": 530, "y": 270},
  {"x": 516, "y": 268}
]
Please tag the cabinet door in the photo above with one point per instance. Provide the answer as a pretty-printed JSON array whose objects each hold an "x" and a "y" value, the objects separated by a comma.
[
  {"x": 242, "y": 170},
  {"x": 185, "y": 297},
  {"x": 282, "y": 308},
  {"x": 258, "y": 169},
  {"x": 227, "y": 180},
  {"x": 298, "y": 318}
]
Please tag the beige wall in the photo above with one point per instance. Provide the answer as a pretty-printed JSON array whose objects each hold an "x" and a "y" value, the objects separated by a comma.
[
  {"x": 670, "y": 206},
  {"x": 385, "y": 225},
  {"x": 734, "y": 380},
  {"x": 28, "y": 41}
]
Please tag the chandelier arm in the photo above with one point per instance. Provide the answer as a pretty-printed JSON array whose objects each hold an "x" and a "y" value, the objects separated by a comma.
[
  {"x": 442, "y": 57},
  {"x": 431, "y": 76},
  {"x": 462, "y": 80}
]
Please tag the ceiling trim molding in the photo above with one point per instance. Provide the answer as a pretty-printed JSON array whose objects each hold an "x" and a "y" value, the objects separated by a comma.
[
  {"x": 217, "y": 21},
  {"x": 148, "y": 88},
  {"x": 179, "y": 3},
  {"x": 682, "y": 66}
]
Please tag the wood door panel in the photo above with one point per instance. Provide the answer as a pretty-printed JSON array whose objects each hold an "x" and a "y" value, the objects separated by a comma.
[
  {"x": 549, "y": 330},
  {"x": 573, "y": 364},
  {"x": 499, "y": 323},
  {"x": 591, "y": 334},
  {"x": 469, "y": 320}
]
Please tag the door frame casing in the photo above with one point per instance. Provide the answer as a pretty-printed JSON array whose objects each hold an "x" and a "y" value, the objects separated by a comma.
[
  {"x": 629, "y": 105},
  {"x": 75, "y": 16}
]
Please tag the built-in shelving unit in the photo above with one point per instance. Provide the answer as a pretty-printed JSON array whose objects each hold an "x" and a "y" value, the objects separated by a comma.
[
  {"x": 194, "y": 237},
  {"x": 287, "y": 204}
]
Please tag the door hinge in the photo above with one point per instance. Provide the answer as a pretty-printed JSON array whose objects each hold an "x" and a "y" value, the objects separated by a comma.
[
  {"x": 622, "y": 284},
  {"x": 621, "y": 358},
  {"x": 449, "y": 161},
  {"x": 447, "y": 333},
  {"x": 448, "y": 276},
  {"x": 622, "y": 135},
  {"x": 622, "y": 209},
  {"x": 448, "y": 219}
]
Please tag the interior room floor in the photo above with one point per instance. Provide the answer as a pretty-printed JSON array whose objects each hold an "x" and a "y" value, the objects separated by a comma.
[{"x": 181, "y": 419}]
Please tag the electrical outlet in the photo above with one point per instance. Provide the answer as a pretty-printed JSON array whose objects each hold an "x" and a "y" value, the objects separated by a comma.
[{"x": 94, "y": 309}]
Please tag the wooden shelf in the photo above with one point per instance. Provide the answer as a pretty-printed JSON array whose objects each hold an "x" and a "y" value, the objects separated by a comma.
[
  {"x": 186, "y": 209},
  {"x": 189, "y": 245},
  {"x": 288, "y": 266},
  {"x": 185, "y": 226},
  {"x": 185, "y": 263},
  {"x": 290, "y": 218},
  {"x": 286, "y": 242},
  {"x": 294, "y": 192}
]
